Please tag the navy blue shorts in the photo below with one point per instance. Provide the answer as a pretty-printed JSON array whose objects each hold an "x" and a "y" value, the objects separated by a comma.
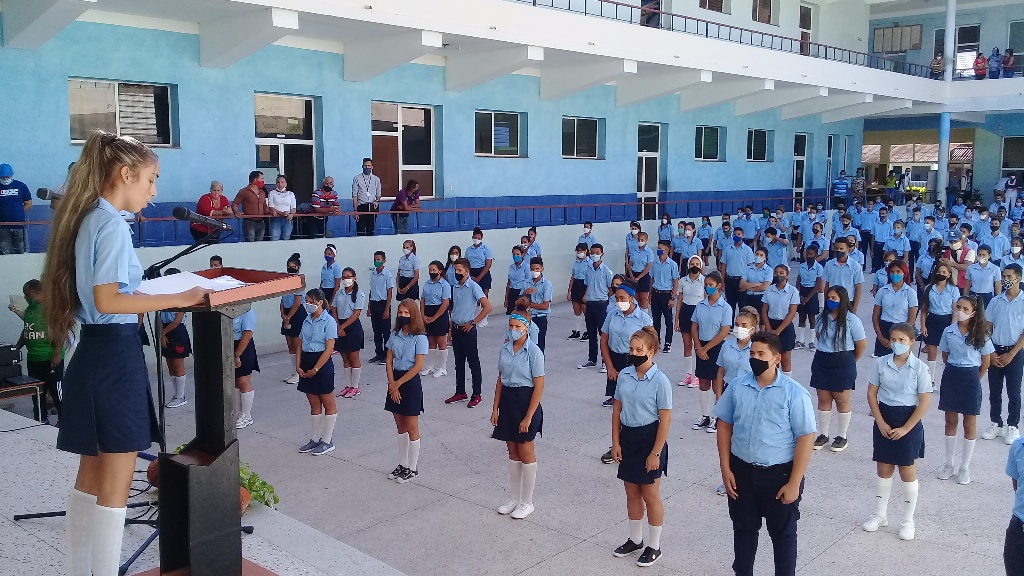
[
  {"x": 178, "y": 343},
  {"x": 637, "y": 443},
  {"x": 440, "y": 326},
  {"x": 960, "y": 391}
]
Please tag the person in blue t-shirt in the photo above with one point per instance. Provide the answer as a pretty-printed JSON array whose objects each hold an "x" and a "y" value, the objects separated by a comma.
[
  {"x": 841, "y": 187},
  {"x": 15, "y": 201}
]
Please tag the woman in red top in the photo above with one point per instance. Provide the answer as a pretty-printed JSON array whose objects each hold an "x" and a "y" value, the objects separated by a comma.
[
  {"x": 214, "y": 205},
  {"x": 980, "y": 67}
]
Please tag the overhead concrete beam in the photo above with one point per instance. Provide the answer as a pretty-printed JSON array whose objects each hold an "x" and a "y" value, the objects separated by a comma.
[
  {"x": 969, "y": 117},
  {"x": 821, "y": 105},
  {"x": 225, "y": 41},
  {"x": 862, "y": 110},
  {"x": 631, "y": 90},
  {"x": 700, "y": 96},
  {"x": 464, "y": 70},
  {"x": 371, "y": 57},
  {"x": 778, "y": 98},
  {"x": 561, "y": 81},
  {"x": 28, "y": 24}
]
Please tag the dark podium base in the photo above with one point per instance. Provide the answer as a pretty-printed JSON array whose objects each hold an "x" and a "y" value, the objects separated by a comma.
[{"x": 248, "y": 569}]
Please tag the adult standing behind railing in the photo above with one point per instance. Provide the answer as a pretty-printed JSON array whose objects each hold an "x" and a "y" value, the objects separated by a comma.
[
  {"x": 407, "y": 200},
  {"x": 366, "y": 193},
  {"x": 15, "y": 201},
  {"x": 281, "y": 206},
  {"x": 215, "y": 205},
  {"x": 252, "y": 202},
  {"x": 325, "y": 203}
]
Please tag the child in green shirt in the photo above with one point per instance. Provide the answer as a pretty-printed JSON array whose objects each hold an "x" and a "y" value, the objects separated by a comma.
[{"x": 45, "y": 361}]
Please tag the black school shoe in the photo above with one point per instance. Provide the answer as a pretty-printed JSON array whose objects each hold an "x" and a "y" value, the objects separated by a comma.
[
  {"x": 820, "y": 442},
  {"x": 586, "y": 336},
  {"x": 574, "y": 336},
  {"x": 649, "y": 557},
  {"x": 606, "y": 458},
  {"x": 628, "y": 548}
]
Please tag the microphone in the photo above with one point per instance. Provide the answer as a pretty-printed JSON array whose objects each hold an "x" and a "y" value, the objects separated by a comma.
[
  {"x": 46, "y": 194},
  {"x": 184, "y": 214}
]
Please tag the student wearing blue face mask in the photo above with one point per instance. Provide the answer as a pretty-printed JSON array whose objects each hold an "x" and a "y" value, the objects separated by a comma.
[
  {"x": 840, "y": 343},
  {"x": 895, "y": 302},
  {"x": 518, "y": 278},
  {"x": 316, "y": 372},
  {"x": 330, "y": 273},
  {"x": 711, "y": 323}
]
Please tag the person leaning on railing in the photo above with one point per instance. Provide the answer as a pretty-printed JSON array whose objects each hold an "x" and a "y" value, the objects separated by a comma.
[
  {"x": 15, "y": 201},
  {"x": 215, "y": 205}
]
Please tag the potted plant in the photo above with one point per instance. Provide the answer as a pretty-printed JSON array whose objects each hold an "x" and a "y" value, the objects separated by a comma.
[{"x": 251, "y": 485}]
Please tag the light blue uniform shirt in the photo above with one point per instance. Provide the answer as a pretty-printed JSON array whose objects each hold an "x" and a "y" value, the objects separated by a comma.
[
  {"x": 620, "y": 327},
  {"x": 797, "y": 220},
  {"x": 665, "y": 232},
  {"x": 984, "y": 280},
  {"x": 776, "y": 253},
  {"x": 449, "y": 275},
  {"x": 1007, "y": 319},
  {"x": 599, "y": 281},
  {"x": 168, "y": 317},
  {"x": 518, "y": 369},
  {"x": 737, "y": 259},
  {"x": 927, "y": 235},
  {"x": 705, "y": 231},
  {"x": 464, "y": 301},
  {"x": 245, "y": 322},
  {"x": 711, "y": 317},
  {"x": 104, "y": 255},
  {"x": 1015, "y": 470},
  {"x": 664, "y": 274},
  {"x": 317, "y": 331},
  {"x": 896, "y": 305},
  {"x": 408, "y": 265},
  {"x": 882, "y": 231},
  {"x": 639, "y": 258},
  {"x": 779, "y": 301},
  {"x": 749, "y": 227},
  {"x": 734, "y": 359},
  {"x": 1019, "y": 260},
  {"x": 588, "y": 239},
  {"x": 900, "y": 386},
  {"x": 478, "y": 255},
  {"x": 434, "y": 293},
  {"x": 901, "y": 244},
  {"x": 960, "y": 352},
  {"x": 809, "y": 274},
  {"x": 924, "y": 264},
  {"x": 406, "y": 347},
  {"x": 289, "y": 299},
  {"x": 632, "y": 242},
  {"x": 722, "y": 239},
  {"x": 826, "y": 340},
  {"x": 641, "y": 399},
  {"x": 380, "y": 282},
  {"x": 1000, "y": 245},
  {"x": 821, "y": 242},
  {"x": 533, "y": 250},
  {"x": 941, "y": 303},
  {"x": 756, "y": 275},
  {"x": 959, "y": 209},
  {"x": 915, "y": 229},
  {"x": 858, "y": 257},
  {"x": 688, "y": 247},
  {"x": 851, "y": 231},
  {"x": 544, "y": 291},
  {"x": 882, "y": 276},
  {"x": 328, "y": 274},
  {"x": 766, "y": 421},
  {"x": 579, "y": 268},
  {"x": 847, "y": 275},
  {"x": 345, "y": 306},
  {"x": 518, "y": 276}
]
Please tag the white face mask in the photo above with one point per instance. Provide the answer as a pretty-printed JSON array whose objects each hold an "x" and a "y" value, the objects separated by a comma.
[
  {"x": 536, "y": 274},
  {"x": 586, "y": 230},
  {"x": 406, "y": 251},
  {"x": 6, "y": 181},
  {"x": 581, "y": 255},
  {"x": 962, "y": 316},
  {"x": 348, "y": 282},
  {"x": 1015, "y": 249},
  {"x": 642, "y": 243},
  {"x": 477, "y": 241},
  {"x": 741, "y": 333},
  {"x": 310, "y": 308},
  {"x": 524, "y": 246},
  {"x": 595, "y": 257},
  {"x": 634, "y": 231},
  {"x": 623, "y": 305},
  {"x": 759, "y": 259},
  {"x": 453, "y": 257},
  {"x": 689, "y": 233},
  {"x": 982, "y": 261}
]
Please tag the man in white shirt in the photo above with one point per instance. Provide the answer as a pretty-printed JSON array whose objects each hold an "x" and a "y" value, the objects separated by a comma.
[{"x": 366, "y": 193}]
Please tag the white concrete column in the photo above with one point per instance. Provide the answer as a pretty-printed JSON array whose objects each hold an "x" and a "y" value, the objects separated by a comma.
[
  {"x": 943, "y": 176},
  {"x": 949, "y": 53}
]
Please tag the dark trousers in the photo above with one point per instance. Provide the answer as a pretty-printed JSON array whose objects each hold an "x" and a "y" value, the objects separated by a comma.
[
  {"x": 594, "y": 315},
  {"x": 1013, "y": 549},
  {"x": 52, "y": 377},
  {"x": 866, "y": 245},
  {"x": 381, "y": 327},
  {"x": 876, "y": 255},
  {"x": 254, "y": 229},
  {"x": 915, "y": 247},
  {"x": 465, "y": 348},
  {"x": 542, "y": 331},
  {"x": 401, "y": 222},
  {"x": 732, "y": 292},
  {"x": 661, "y": 307},
  {"x": 367, "y": 223},
  {"x": 757, "y": 488},
  {"x": 1011, "y": 374}
]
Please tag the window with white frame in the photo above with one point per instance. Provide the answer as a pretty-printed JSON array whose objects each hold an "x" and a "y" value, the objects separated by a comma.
[
  {"x": 897, "y": 39},
  {"x": 709, "y": 143},
  {"x": 968, "y": 43},
  {"x": 581, "y": 137},
  {"x": 759, "y": 145},
  {"x": 497, "y": 133},
  {"x": 142, "y": 111},
  {"x": 402, "y": 138},
  {"x": 765, "y": 11},
  {"x": 716, "y": 6}
]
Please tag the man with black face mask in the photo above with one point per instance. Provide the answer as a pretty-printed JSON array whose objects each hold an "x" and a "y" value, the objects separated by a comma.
[
  {"x": 841, "y": 272},
  {"x": 764, "y": 453}
]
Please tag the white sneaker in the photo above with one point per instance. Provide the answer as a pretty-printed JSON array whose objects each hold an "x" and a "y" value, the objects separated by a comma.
[
  {"x": 440, "y": 373},
  {"x": 604, "y": 369},
  {"x": 483, "y": 324},
  {"x": 964, "y": 477},
  {"x": 176, "y": 402},
  {"x": 874, "y": 523},
  {"x": 907, "y": 530},
  {"x": 427, "y": 371},
  {"x": 946, "y": 473},
  {"x": 293, "y": 379},
  {"x": 522, "y": 511},
  {"x": 994, "y": 431},
  {"x": 1012, "y": 433},
  {"x": 243, "y": 421},
  {"x": 507, "y": 508}
]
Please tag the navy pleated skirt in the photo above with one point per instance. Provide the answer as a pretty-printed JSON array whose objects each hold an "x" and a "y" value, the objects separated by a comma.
[
  {"x": 788, "y": 336},
  {"x": 353, "y": 339},
  {"x": 833, "y": 371},
  {"x": 412, "y": 397},
  {"x": 323, "y": 381},
  {"x": 637, "y": 443},
  {"x": 295, "y": 325},
  {"x": 413, "y": 293},
  {"x": 707, "y": 369},
  {"x": 936, "y": 323},
  {"x": 250, "y": 363},
  {"x": 960, "y": 391},
  {"x": 512, "y": 408},
  {"x": 906, "y": 450},
  {"x": 179, "y": 345},
  {"x": 440, "y": 326}
]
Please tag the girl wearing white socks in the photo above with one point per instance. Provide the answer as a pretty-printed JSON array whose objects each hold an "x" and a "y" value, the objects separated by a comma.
[
  {"x": 316, "y": 372},
  {"x": 175, "y": 346},
  {"x": 641, "y": 417},
  {"x": 107, "y": 412},
  {"x": 517, "y": 415},
  {"x": 691, "y": 289},
  {"x": 577, "y": 289},
  {"x": 246, "y": 362},
  {"x": 937, "y": 310},
  {"x": 406, "y": 352},
  {"x": 899, "y": 393},
  {"x": 712, "y": 321},
  {"x": 347, "y": 307},
  {"x": 966, "y": 349},
  {"x": 293, "y": 314},
  {"x": 435, "y": 308},
  {"x": 841, "y": 341}
]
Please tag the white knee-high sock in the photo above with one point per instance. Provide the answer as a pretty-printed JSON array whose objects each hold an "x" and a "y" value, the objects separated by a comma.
[
  {"x": 179, "y": 386},
  {"x": 529, "y": 482},
  {"x": 107, "y": 534},
  {"x": 316, "y": 426},
  {"x": 515, "y": 478},
  {"x": 844, "y": 423},
  {"x": 355, "y": 376},
  {"x": 348, "y": 376},
  {"x": 328, "y": 430},
  {"x": 950, "y": 451},
  {"x": 247, "y": 399},
  {"x": 636, "y": 531},
  {"x": 909, "y": 500},
  {"x": 824, "y": 419},
  {"x": 882, "y": 496},
  {"x": 78, "y": 531},
  {"x": 403, "y": 449},
  {"x": 706, "y": 398},
  {"x": 931, "y": 368},
  {"x": 442, "y": 360},
  {"x": 654, "y": 537},
  {"x": 690, "y": 363},
  {"x": 579, "y": 324},
  {"x": 292, "y": 359},
  {"x": 414, "y": 455},
  {"x": 965, "y": 455}
]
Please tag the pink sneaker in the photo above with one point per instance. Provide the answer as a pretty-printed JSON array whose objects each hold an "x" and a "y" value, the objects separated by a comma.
[
  {"x": 692, "y": 381},
  {"x": 352, "y": 393},
  {"x": 344, "y": 391}
]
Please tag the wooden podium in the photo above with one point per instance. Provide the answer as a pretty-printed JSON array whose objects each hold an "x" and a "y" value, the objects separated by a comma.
[{"x": 200, "y": 524}]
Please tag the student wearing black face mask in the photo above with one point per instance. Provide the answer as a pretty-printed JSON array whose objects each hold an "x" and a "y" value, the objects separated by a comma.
[
  {"x": 435, "y": 307},
  {"x": 292, "y": 315},
  {"x": 407, "y": 350}
]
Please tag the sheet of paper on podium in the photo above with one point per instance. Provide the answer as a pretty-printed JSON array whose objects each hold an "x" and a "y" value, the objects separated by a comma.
[{"x": 175, "y": 283}]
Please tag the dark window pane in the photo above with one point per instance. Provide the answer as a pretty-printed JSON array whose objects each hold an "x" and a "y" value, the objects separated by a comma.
[
  {"x": 750, "y": 144},
  {"x": 648, "y": 138},
  {"x": 757, "y": 145},
  {"x": 144, "y": 112},
  {"x": 284, "y": 117},
  {"x": 416, "y": 137},
  {"x": 650, "y": 174},
  {"x": 1013, "y": 152},
  {"x": 92, "y": 106},
  {"x": 383, "y": 117},
  {"x": 267, "y": 157},
  {"x": 798, "y": 173},
  {"x": 940, "y": 40},
  {"x": 586, "y": 138},
  {"x": 716, "y": 5},
  {"x": 800, "y": 145},
  {"x": 506, "y": 134},
  {"x": 639, "y": 174},
  {"x": 968, "y": 34},
  {"x": 698, "y": 143},
  {"x": 805, "y": 17},
  {"x": 831, "y": 138},
  {"x": 483, "y": 133},
  {"x": 710, "y": 143},
  {"x": 568, "y": 136}
]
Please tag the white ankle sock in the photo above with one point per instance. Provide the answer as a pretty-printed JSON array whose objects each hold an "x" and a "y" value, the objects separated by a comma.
[
  {"x": 442, "y": 360},
  {"x": 107, "y": 534},
  {"x": 414, "y": 455},
  {"x": 966, "y": 453},
  {"x": 931, "y": 368},
  {"x": 355, "y": 376},
  {"x": 706, "y": 398},
  {"x": 403, "y": 449},
  {"x": 529, "y": 481},
  {"x": 316, "y": 425},
  {"x": 788, "y": 374},
  {"x": 179, "y": 386},
  {"x": 844, "y": 423},
  {"x": 78, "y": 531},
  {"x": 292, "y": 359},
  {"x": 636, "y": 531},
  {"x": 579, "y": 324},
  {"x": 348, "y": 377},
  {"x": 909, "y": 500},
  {"x": 882, "y": 496},
  {"x": 247, "y": 399},
  {"x": 515, "y": 478},
  {"x": 654, "y": 537},
  {"x": 690, "y": 363},
  {"x": 950, "y": 451},
  {"x": 328, "y": 430},
  {"x": 824, "y": 418}
]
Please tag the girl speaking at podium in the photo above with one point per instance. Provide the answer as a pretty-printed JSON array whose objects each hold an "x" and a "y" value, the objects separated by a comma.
[{"x": 90, "y": 276}]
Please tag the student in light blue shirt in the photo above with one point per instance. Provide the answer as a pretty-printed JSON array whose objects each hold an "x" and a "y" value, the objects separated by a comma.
[
  {"x": 665, "y": 228},
  {"x": 408, "y": 283},
  {"x": 292, "y": 315},
  {"x": 895, "y": 302},
  {"x": 480, "y": 260},
  {"x": 330, "y": 273},
  {"x": 467, "y": 295},
  {"x": 599, "y": 282},
  {"x": 756, "y": 280},
  {"x": 382, "y": 292},
  {"x": 705, "y": 233},
  {"x": 999, "y": 242},
  {"x": 686, "y": 245},
  {"x": 316, "y": 372},
  {"x": 246, "y": 362},
  {"x": 733, "y": 265},
  {"x": 534, "y": 249},
  {"x": 664, "y": 287},
  {"x": 347, "y": 307},
  {"x": 983, "y": 276},
  {"x": 765, "y": 419},
  {"x": 518, "y": 278},
  {"x": 632, "y": 240},
  {"x": 881, "y": 231},
  {"x": 710, "y": 325},
  {"x": 407, "y": 351},
  {"x": 1007, "y": 314},
  {"x": 577, "y": 290},
  {"x": 1013, "y": 547},
  {"x": 619, "y": 327},
  {"x": 898, "y": 242},
  {"x": 733, "y": 360},
  {"x": 587, "y": 237},
  {"x": 776, "y": 245},
  {"x": 817, "y": 240},
  {"x": 940, "y": 294},
  {"x": 540, "y": 291},
  {"x": 638, "y": 269},
  {"x": 810, "y": 283},
  {"x": 175, "y": 346},
  {"x": 436, "y": 309},
  {"x": 841, "y": 271},
  {"x": 781, "y": 301}
]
